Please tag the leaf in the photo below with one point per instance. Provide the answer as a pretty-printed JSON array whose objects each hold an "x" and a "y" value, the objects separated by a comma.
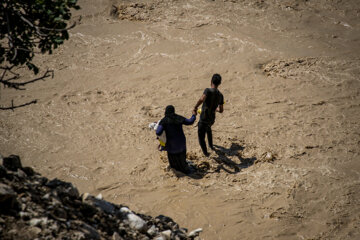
[
  {"x": 32, "y": 67},
  {"x": 65, "y": 35},
  {"x": 59, "y": 40},
  {"x": 58, "y": 19}
]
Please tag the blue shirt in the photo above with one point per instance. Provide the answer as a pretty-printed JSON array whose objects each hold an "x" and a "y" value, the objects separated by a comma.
[{"x": 175, "y": 137}]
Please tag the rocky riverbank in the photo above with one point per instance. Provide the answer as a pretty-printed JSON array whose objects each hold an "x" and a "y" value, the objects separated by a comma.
[{"x": 34, "y": 207}]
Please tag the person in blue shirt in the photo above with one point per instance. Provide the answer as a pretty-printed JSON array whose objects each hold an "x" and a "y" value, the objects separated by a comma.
[{"x": 175, "y": 138}]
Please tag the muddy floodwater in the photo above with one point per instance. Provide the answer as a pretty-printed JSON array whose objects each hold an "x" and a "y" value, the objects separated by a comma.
[{"x": 287, "y": 161}]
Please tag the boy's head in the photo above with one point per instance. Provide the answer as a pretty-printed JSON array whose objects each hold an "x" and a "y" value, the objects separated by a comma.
[{"x": 216, "y": 79}]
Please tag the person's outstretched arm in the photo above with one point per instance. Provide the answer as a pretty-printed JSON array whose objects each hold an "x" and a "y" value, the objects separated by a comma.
[
  {"x": 199, "y": 102},
  {"x": 190, "y": 120}
]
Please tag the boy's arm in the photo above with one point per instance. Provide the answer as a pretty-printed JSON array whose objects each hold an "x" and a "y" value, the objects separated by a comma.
[
  {"x": 199, "y": 102},
  {"x": 220, "y": 109}
]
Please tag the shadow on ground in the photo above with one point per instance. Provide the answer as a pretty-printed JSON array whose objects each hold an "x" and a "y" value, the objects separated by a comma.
[
  {"x": 229, "y": 160},
  {"x": 225, "y": 161}
]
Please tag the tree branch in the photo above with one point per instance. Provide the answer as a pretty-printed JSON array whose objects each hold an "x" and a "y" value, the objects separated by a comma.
[
  {"x": 18, "y": 106},
  {"x": 32, "y": 25},
  {"x": 17, "y": 85},
  {"x": 23, "y": 49},
  {"x": 37, "y": 28},
  {"x": 48, "y": 73}
]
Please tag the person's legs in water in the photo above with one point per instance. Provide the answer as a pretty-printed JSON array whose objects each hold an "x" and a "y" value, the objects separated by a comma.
[
  {"x": 209, "y": 137},
  {"x": 182, "y": 164},
  {"x": 172, "y": 160},
  {"x": 178, "y": 162},
  {"x": 202, "y": 129}
]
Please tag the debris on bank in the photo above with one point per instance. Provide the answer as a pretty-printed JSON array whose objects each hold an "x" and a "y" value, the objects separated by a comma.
[{"x": 34, "y": 207}]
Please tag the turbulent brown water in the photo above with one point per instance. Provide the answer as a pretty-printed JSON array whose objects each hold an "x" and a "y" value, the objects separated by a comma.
[{"x": 291, "y": 83}]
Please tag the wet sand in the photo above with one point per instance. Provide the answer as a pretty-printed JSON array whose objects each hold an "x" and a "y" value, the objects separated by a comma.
[{"x": 291, "y": 84}]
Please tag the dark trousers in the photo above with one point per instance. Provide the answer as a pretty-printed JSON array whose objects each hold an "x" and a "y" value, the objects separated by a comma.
[
  {"x": 178, "y": 162},
  {"x": 205, "y": 129}
]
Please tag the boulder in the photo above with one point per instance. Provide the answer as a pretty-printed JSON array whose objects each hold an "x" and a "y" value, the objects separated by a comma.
[
  {"x": 152, "y": 231},
  {"x": 63, "y": 188},
  {"x": 29, "y": 171},
  {"x": 20, "y": 174},
  {"x": 163, "y": 218},
  {"x": 166, "y": 234},
  {"x": 195, "y": 233},
  {"x": 102, "y": 205},
  {"x": 116, "y": 236},
  {"x": 2, "y": 171},
  {"x": 33, "y": 207},
  {"x": 89, "y": 231},
  {"x": 136, "y": 222},
  {"x": 35, "y": 222},
  {"x": 12, "y": 162},
  {"x": 7, "y": 198}
]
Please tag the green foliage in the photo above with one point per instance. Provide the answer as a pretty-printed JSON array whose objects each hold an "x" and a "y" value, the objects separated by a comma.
[{"x": 30, "y": 26}]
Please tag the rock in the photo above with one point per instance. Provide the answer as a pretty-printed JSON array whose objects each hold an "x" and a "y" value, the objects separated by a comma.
[
  {"x": 6, "y": 192},
  {"x": 269, "y": 156},
  {"x": 32, "y": 207},
  {"x": 35, "y": 222},
  {"x": 34, "y": 230},
  {"x": 59, "y": 214},
  {"x": 12, "y": 232},
  {"x": 20, "y": 173},
  {"x": 180, "y": 234},
  {"x": 195, "y": 233},
  {"x": 63, "y": 188},
  {"x": 136, "y": 222},
  {"x": 46, "y": 196},
  {"x": 84, "y": 196},
  {"x": 41, "y": 180},
  {"x": 101, "y": 204},
  {"x": 7, "y": 198},
  {"x": 116, "y": 236},
  {"x": 172, "y": 225},
  {"x": 161, "y": 237},
  {"x": 29, "y": 171},
  {"x": 25, "y": 215},
  {"x": 56, "y": 182},
  {"x": 163, "y": 218},
  {"x": 54, "y": 227},
  {"x": 38, "y": 221},
  {"x": 152, "y": 231},
  {"x": 125, "y": 210},
  {"x": 78, "y": 235},
  {"x": 99, "y": 196},
  {"x": 166, "y": 234},
  {"x": 89, "y": 231},
  {"x": 2, "y": 171},
  {"x": 12, "y": 162},
  {"x": 88, "y": 210},
  {"x": 22, "y": 206}
]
